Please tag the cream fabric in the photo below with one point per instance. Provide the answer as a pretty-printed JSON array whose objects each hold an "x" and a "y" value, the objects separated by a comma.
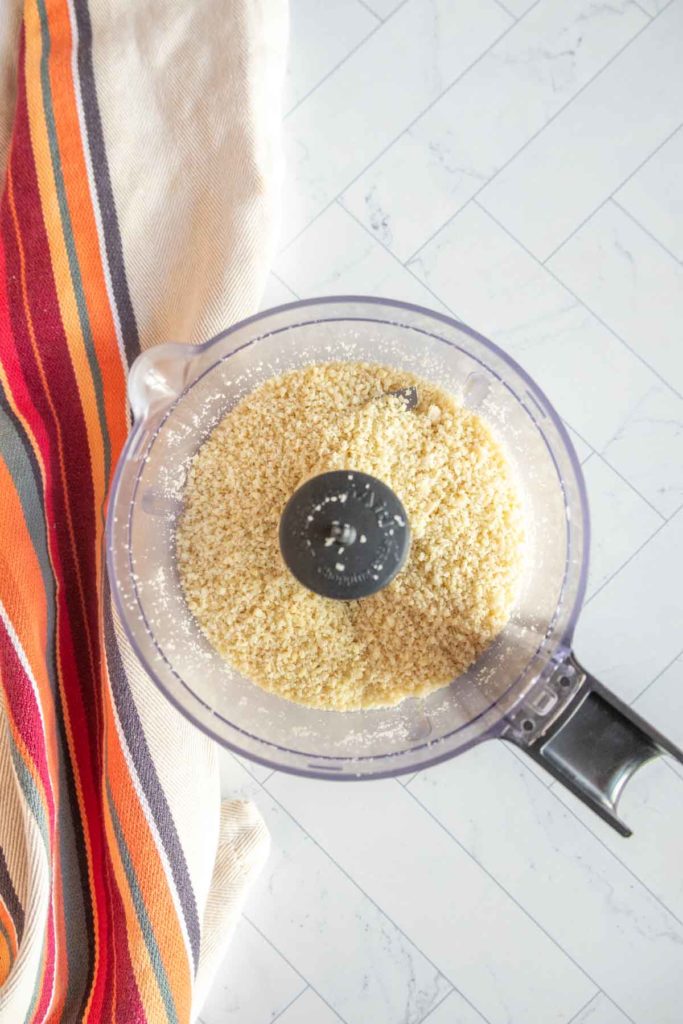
[
  {"x": 10, "y": 20},
  {"x": 190, "y": 102}
]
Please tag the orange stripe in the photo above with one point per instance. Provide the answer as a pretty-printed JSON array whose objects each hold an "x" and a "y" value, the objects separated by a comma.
[
  {"x": 149, "y": 869},
  {"x": 27, "y": 759},
  {"x": 48, "y": 396},
  {"x": 6, "y": 957},
  {"x": 8, "y": 925},
  {"x": 53, "y": 225},
  {"x": 144, "y": 976},
  {"x": 86, "y": 238},
  {"x": 67, "y": 723}
]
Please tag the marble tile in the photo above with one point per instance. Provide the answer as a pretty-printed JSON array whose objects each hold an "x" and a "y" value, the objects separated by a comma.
[
  {"x": 322, "y": 34},
  {"x": 654, "y": 195},
  {"x": 631, "y": 629},
  {"x": 355, "y": 263},
  {"x": 583, "y": 450},
  {"x": 631, "y": 283},
  {"x": 652, "y": 806},
  {"x": 425, "y": 882},
  {"x": 384, "y": 8},
  {"x": 475, "y": 267},
  {"x": 309, "y": 1008},
  {"x": 647, "y": 448},
  {"x": 253, "y": 984},
  {"x": 405, "y": 779},
  {"x": 654, "y": 7},
  {"x": 519, "y": 7},
  {"x": 608, "y": 922},
  {"x": 310, "y": 910},
  {"x": 486, "y": 117},
  {"x": 621, "y": 521},
  {"x": 454, "y": 1010},
  {"x": 662, "y": 702},
  {"x": 530, "y": 765},
  {"x": 367, "y": 102},
  {"x": 601, "y": 1010},
  {"x": 596, "y": 142},
  {"x": 260, "y": 772},
  {"x": 276, "y": 293}
]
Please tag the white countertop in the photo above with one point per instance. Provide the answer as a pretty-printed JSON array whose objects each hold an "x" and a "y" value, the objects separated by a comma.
[{"x": 520, "y": 165}]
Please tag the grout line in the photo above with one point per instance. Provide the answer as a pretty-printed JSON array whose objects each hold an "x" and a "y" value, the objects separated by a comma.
[
  {"x": 343, "y": 61},
  {"x": 284, "y": 284},
  {"x": 581, "y": 302},
  {"x": 628, "y": 560},
  {"x": 581, "y": 438},
  {"x": 306, "y": 982},
  {"x": 536, "y": 134},
  {"x": 650, "y": 16},
  {"x": 499, "y": 885},
  {"x": 585, "y": 1007},
  {"x": 629, "y": 484},
  {"x": 675, "y": 771},
  {"x": 407, "y": 128},
  {"x": 607, "y": 199},
  {"x": 405, "y": 780},
  {"x": 645, "y": 230},
  {"x": 553, "y": 787},
  {"x": 523, "y": 758},
  {"x": 394, "y": 257},
  {"x": 433, "y": 1009},
  {"x": 375, "y": 14},
  {"x": 376, "y": 905},
  {"x": 294, "y": 1000},
  {"x": 502, "y": 6},
  {"x": 401, "y": 931},
  {"x": 653, "y": 681}
]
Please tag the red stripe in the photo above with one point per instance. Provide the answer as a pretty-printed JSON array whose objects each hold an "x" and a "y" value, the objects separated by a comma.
[
  {"x": 26, "y": 717},
  {"x": 25, "y": 713},
  {"x": 49, "y": 414}
]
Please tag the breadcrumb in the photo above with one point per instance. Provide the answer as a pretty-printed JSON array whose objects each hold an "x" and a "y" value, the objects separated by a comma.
[{"x": 445, "y": 607}]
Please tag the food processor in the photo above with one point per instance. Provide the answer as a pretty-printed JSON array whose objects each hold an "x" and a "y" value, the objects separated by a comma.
[{"x": 527, "y": 687}]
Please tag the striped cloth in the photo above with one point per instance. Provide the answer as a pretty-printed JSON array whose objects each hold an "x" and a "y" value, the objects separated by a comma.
[{"x": 140, "y": 147}]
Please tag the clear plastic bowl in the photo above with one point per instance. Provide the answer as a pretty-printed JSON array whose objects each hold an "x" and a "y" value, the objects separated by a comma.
[{"x": 179, "y": 392}]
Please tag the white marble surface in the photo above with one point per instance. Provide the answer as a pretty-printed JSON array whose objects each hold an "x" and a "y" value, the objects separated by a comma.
[{"x": 518, "y": 164}]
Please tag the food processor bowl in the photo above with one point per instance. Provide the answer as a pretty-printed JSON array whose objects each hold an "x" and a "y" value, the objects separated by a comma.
[{"x": 526, "y": 687}]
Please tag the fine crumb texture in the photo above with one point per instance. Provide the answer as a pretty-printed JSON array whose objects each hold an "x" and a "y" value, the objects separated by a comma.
[{"x": 451, "y": 599}]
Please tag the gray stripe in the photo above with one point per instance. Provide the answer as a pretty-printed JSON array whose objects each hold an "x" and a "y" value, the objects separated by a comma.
[
  {"x": 5, "y": 935},
  {"x": 143, "y": 917},
  {"x": 9, "y": 897},
  {"x": 146, "y": 772},
  {"x": 23, "y": 468},
  {"x": 31, "y": 794},
  {"x": 68, "y": 232},
  {"x": 105, "y": 194}
]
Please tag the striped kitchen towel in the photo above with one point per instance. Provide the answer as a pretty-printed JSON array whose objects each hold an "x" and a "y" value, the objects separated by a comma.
[{"x": 139, "y": 147}]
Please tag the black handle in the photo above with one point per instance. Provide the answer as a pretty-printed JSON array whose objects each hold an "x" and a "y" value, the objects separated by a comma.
[{"x": 586, "y": 737}]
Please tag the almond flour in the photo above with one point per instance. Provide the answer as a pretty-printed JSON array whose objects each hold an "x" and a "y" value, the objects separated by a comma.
[{"x": 445, "y": 607}]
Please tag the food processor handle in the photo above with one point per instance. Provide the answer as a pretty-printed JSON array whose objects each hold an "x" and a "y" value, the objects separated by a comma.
[{"x": 587, "y": 738}]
